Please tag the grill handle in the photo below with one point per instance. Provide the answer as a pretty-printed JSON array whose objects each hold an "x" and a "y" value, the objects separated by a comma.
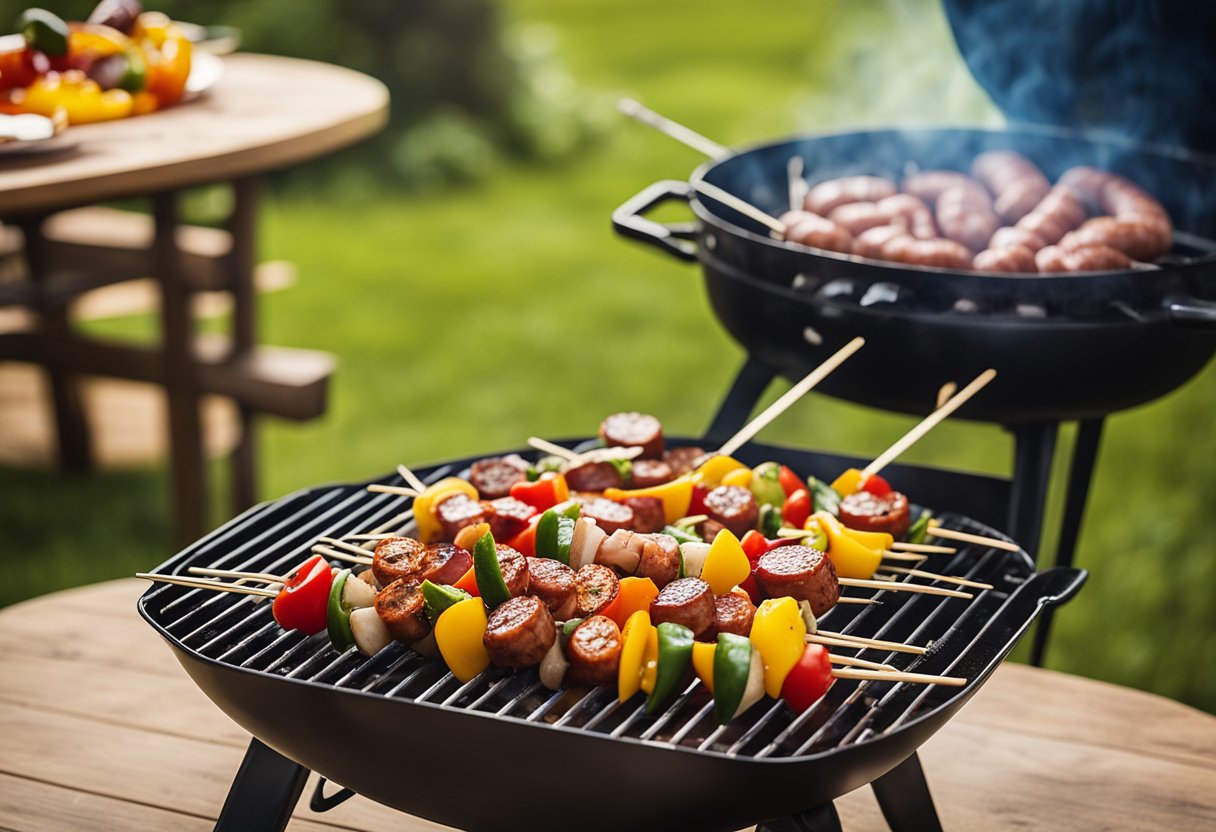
[
  {"x": 321, "y": 802},
  {"x": 629, "y": 220},
  {"x": 1191, "y": 312}
]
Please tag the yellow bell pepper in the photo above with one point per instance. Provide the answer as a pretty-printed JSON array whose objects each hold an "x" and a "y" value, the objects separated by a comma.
[
  {"x": 650, "y": 662},
  {"x": 81, "y": 98},
  {"x": 703, "y": 662},
  {"x": 167, "y": 53},
  {"x": 741, "y": 477},
  {"x": 871, "y": 540},
  {"x": 458, "y": 633},
  {"x": 95, "y": 40},
  {"x": 676, "y": 496},
  {"x": 726, "y": 565},
  {"x": 712, "y": 471},
  {"x": 851, "y": 558},
  {"x": 848, "y": 482},
  {"x": 429, "y": 529},
  {"x": 634, "y": 639},
  {"x": 779, "y": 635}
]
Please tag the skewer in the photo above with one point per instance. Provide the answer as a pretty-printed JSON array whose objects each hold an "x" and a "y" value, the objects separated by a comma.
[
  {"x": 888, "y": 555},
  {"x": 903, "y": 587},
  {"x": 393, "y": 522},
  {"x": 852, "y": 599},
  {"x": 849, "y": 660},
  {"x": 232, "y": 573},
  {"x": 344, "y": 546},
  {"x": 203, "y": 583},
  {"x": 551, "y": 448},
  {"x": 944, "y": 393},
  {"x": 928, "y": 423},
  {"x": 393, "y": 489},
  {"x": 330, "y": 552},
  {"x": 368, "y": 536},
  {"x": 923, "y": 547},
  {"x": 409, "y": 476},
  {"x": 950, "y": 579},
  {"x": 794, "y": 169},
  {"x": 792, "y": 395},
  {"x": 899, "y": 676},
  {"x": 667, "y": 127},
  {"x": 858, "y": 643},
  {"x": 745, "y": 208},
  {"x": 967, "y": 537}
]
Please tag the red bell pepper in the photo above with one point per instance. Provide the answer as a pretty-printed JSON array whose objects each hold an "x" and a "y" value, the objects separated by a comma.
[
  {"x": 797, "y": 508},
  {"x": 809, "y": 679},
  {"x": 877, "y": 486},
  {"x": 790, "y": 481},
  {"x": 303, "y": 602},
  {"x": 697, "y": 504},
  {"x": 525, "y": 541},
  {"x": 752, "y": 588},
  {"x": 543, "y": 494},
  {"x": 468, "y": 582},
  {"x": 754, "y": 545}
]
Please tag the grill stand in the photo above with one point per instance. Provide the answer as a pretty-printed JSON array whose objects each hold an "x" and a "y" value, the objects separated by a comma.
[{"x": 264, "y": 792}]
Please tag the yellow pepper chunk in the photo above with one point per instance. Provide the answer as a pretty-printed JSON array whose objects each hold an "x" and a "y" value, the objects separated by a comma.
[
  {"x": 871, "y": 540},
  {"x": 741, "y": 477},
  {"x": 726, "y": 565},
  {"x": 676, "y": 496},
  {"x": 779, "y": 635},
  {"x": 650, "y": 662},
  {"x": 429, "y": 529},
  {"x": 82, "y": 99},
  {"x": 851, "y": 558},
  {"x": 458, "y": 633},
  {"x": 703, "y": 662},
  {"x": 712, "y": 471},
  {"x": 634, "y": 640},
  {"x": 848, "y": 482}
]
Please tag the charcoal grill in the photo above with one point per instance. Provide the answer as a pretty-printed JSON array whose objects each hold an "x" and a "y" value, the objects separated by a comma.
[{"x": 398, "y": 729}]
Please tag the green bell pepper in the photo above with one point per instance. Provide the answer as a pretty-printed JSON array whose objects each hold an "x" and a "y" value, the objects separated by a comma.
[
  {"x": 675, "y": 657},
  {"x": 555, "y": 532},
  {"x": 44, "y": 31},
  {"x": 920, "y": 529},
  {"x": 824, "y": 497},
  {"x": 770, "y": 520},
  {"x": 732, "y": 663},
  {"x": 437, "y": 598},
  {"x": 337, "y": 616},
  {"x": 490, "y": 584},
  {"x": 766, "y": 484}
]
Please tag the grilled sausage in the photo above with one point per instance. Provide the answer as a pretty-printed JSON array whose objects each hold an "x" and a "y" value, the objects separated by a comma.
[
  {"x": 1092, "y": 258},
  {"x": 928, "y": 185},
  {"x": 396, "y": 558},
  {"x": 800, "y": 572},
  {"x": 1056, "y": 214},
  {"x": 1011, "y": 259},
  {"x": 648, "y": 514},
  {"x": 1142, "y": 229},
  {"x": 647, "y": 473},
  {"x": 687, "y": 601},
  {"x": 607, "y": 514},
  {"x": 867, "y": 512},
  {"x": 593, "y": 476},
  {"x": 508, "y": 517},
  {"x": 859, "y": 217},
  {"x": 514, "y": 568},
  {"x": 914, "y": 212},
  {"x": 634, "y": 430},
  {"x": 494, "y": 477},
  {"x": 444, "y": 563},
  {"x": 400, "y": 607},
  {"x": 595, "y": 587},
  {"x": 946, "y": 254},
  {"x": 708, "y": 529},
  {"x": 965, "y": 215},
  {"x": 553, "y": 582},
  {"x": 870, "y": 243},
  {"x": 519, "y": 632},
  {"x": 733, "y": 614},
  {"x": 594, "y": 651},
  {"x": 1141, "y": 237},
  {"x": 684, "y": 460},
  {"x": 1017, "y": 185},
  {"x": 833, "y": 193},
  {"x": 1087, "y": 183},
  {"x": 660, "y": 559},
  {"x": 734, "y": 507},
  {"x": 458, "y": 510},
  {"x": 1011, "y": 236},
  {"x": 817, "y": 232}
]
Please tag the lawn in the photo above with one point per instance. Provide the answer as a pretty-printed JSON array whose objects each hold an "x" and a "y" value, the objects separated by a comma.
[{"x": 467, "y": 320}]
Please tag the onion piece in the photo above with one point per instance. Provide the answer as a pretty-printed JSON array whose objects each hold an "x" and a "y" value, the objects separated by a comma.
[
  {"x": 426, "y": 646},
  {"x": 808, "y": 617},
  {"x": 585, "y": 543},
  {"x": 369, "y": 577},
  {"x": 357, "y": 594},
  {"x": 257, "y": 599},
  {"x": 694, "y": 558},
  {"x": 754, "y": 691},
  {"x": 554, "y": 665},
  {"x": 371, "y": 636}
]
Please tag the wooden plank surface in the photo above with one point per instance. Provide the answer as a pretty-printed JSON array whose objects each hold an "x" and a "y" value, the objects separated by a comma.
[
  {"x": 265, "y": 112},
  {"x": 100, "y": 728}
]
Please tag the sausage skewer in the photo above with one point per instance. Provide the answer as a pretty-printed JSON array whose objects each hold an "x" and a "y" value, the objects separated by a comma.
[
  {"x": 746, "y": 208},
  {"x": 967, "y": 537},
  {"x": 204, "y": 583},
  {"x": 400, "y": 490}
]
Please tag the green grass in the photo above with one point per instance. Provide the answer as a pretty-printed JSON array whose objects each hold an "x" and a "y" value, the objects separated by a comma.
[{"x": 468, "y": 320}]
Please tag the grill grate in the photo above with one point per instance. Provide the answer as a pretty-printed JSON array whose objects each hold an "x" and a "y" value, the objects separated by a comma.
[{"x": 240, "y": 631}]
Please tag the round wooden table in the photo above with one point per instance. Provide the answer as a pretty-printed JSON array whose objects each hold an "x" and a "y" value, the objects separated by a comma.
[
  {"x": 101, "y": 728},
  {"x": 264, "y": 113}
]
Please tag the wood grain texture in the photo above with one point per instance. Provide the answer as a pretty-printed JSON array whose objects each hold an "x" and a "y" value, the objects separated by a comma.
[
  {"x": 266, "y": 112},
  {"x": 140, "y": 747}
]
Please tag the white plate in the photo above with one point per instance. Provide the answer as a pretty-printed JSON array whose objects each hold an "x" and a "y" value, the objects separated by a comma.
[{"x": 205, "y": 70}]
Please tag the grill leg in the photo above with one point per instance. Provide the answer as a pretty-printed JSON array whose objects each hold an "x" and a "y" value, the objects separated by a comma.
[
  {"x": 1034, "y": 446},
  {"x": 749, "y": 385},
  {"x": 264, "y": 792},
  {"x": 1080, "y": 475},
  {"x": 903, "y": 795},
  {"x": 819, "y": 819}
]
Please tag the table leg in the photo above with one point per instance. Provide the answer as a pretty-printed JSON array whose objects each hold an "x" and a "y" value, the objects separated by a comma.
[
  {"x": 71, "y": 423},
  {"x": 188, "y": 461},
  {"x": 242, "y": 260}
]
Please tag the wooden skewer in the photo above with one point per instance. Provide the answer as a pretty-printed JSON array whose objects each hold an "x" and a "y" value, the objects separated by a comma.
[
  {"x": 742, "y": 206},
  {"x": 409, "y": 476},
  {"x": 944, "y": 393},
  {"x": 369, "y": 536},
  {"x": 551, "y": 448},
  {"x": 792, "y": 395},
  {"x": 899, "y": 676},
  {"x": 203, "y": 583},
  {"x": 232, "y": 573},
  {"x": 967, "y": 537},
  {"x": 393, "y": 522},
  {"x": 794, "y": 169},
  {"x": 849, "y": 660},
  {"x": 330, "y": 552},
  {"x": 667, "y": 127},
  {"x": 924, "y": 547},
  {"x": 903, "y": 587},
  {"x": 928, "y": 423},
  {"x": 851, "y": 599},
  {"x": 857, "y": 643},
  {"x": 393, "y": 489},
  {"x": 886, "y": 555},
  {"x": 950, "y": 579},
  {"x": 344, "y": 546}
]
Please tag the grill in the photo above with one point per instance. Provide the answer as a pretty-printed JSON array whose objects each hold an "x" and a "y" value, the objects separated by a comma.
[{"x": 399, "y": 729}]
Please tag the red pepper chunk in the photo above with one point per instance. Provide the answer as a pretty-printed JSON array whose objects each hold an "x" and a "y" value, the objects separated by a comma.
[
  {"x": 525, "y": 541},
  {"x": 543, "y": 494},
  {"x": 877, "y": 486},
  {"x": 302, "y": 603},
  {"x": 697, "y": 504},
  {"x": 790, "y": 481},
  {"x": 809, "y": 679},
  {"x": 797, "y": 508}
]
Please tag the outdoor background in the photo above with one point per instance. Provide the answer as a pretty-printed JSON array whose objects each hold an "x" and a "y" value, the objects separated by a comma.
[{"x": 463, "y": 268}]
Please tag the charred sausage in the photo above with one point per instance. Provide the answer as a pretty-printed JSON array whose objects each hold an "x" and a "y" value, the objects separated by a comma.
[
  {"x": 833, "y": 193},
  {"x": 946, "y": 254},
  {"x": 1016, "y": 183},
  {"x": 800, "y": 572},
  {"x": 494, "y": 477},
  {"x": 607, "y": 514},
  {"x": 553, "y": 582},
  {"x": 733, "y": 614},
  {"x": 519, "y": 632},
  {"x": 458, "y": 510},
  {"x": 687, "y": 601},
  {"x": 648, "y": 514},
  {"x": 396, "y": 558},
  {"x": 508, "y": 517},
  {"x": 1091, "y": 258},
  {"x": 647, "y": 473},
  {"x": 594, "y": 651},
  {"x": 734, "y": 507},
  {"x": 444, "y": 563},
  {"x": 400, "y": 607},
  {"x": 514, "y": 568},
  {"x": 659, "y": 559},
  {"x": 593, "y": 476},
  {"x": 867, "y": 512},
  {"x": 595, "y": 587},
  {"x": 634, "y": 430},
  {"x": 1011, "y": 259}
]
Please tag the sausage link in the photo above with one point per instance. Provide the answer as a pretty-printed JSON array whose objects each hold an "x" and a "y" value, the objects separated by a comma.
[
  {"x": 1011, "y": 236},
  {"x": 1056, "y": 214},
  {"x": 1011, "y": 259},
  {"x": 858, "y": 217},
  {"x": 1140, "y": 237},
  {"x": 816, "y": 231},
  {"x": 928, "y": 185},
  {"x": 1091, "y": 258},
  {"x": 519, "y": 632},
  {"x": 914, "y": 211},
  {"x": 1015, "y": 182},
  {"x": 940, "y": 253},
  {"x": 965, "y": 215},
  {"x": 833, "y": 193},
  {"x": 870, "y": 243}
]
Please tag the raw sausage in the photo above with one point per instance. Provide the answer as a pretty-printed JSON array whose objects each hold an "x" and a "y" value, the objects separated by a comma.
[
  {"x": 519, "y": 632},
  {"x": 817, "y": 232},
  {"x": 825, "y": 196},
  {"x": 928, "y": 185},
  {"x": 965, "y": 215},
  {"x": 1010, "y": 236},
  {"x": 1011, "y": 259},
  {"x": 1058, "y": 213},
  {"x": 1140, "y": 237},
  {"x": 870, "y": 243},
  {"x": 687, "y": 601},
  {"x": 946, "y": 254},
  {"x": 912, "y": 210}
]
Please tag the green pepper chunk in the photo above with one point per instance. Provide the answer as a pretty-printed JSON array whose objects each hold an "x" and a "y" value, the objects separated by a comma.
[
  {"x": 135, "y": 76},
  {"x": 624, "y": 467},
  {"x": 770, "y": 520},
  {"x": 486, "y": 570},
  {"x": 675, "y": 657},
  {"x": 570, "y": 626},
  {"x": 766, "y": 485},
  {"x": 437, "y": 598},
  {"x": 44, "y": 31},
  {"x": 337, "y": 616},
  {"x": 816, "y": 537},
  {"x": 920, "y": 529},
  {"x": 732, "y": 663},
  {"x": 681, "y": 535},
  {"x": 824, "y": 497},
  {"x": 555, "y": 532}
]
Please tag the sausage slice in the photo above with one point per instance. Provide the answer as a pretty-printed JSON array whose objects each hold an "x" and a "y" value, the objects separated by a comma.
[
  {"x": 514, "y": 568},
  {"x": 608, "y": 515},
  {"x": 868, "y": 513},
  {"x": 634, "y": 430},
  {"x": 683, "y": 460},
  {"x": 687, "y": 601},
  {"x": 458, "y": 510},
  {"x": 396, "y": 558},
  {"x": 400, "y": 607},
  {"x": 660, "y": 559},
  {"x": 508, "y": 517},
  {"x": 595, "y": 587},
  {"x": 733, "y": 614},
  {"x": 553, "y": 582},
  {"x": 593, "y": 476},
  {"x": 445, "y": 563},
  {"x": 647, "y": 473},
  {"x": 494, "y": 477},
  {"x": 801, "y": 573},
  {"x": 594, "y": 651},
  {"x": 648, "y": 514},
  {"x": 734, "y": 507},
  {"x": 519, "y": 632}
]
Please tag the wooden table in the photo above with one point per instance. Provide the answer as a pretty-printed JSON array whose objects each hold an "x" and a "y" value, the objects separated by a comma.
[
  {"x": 265, "y": 113},
  {"x": 101, "y": 728}
]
